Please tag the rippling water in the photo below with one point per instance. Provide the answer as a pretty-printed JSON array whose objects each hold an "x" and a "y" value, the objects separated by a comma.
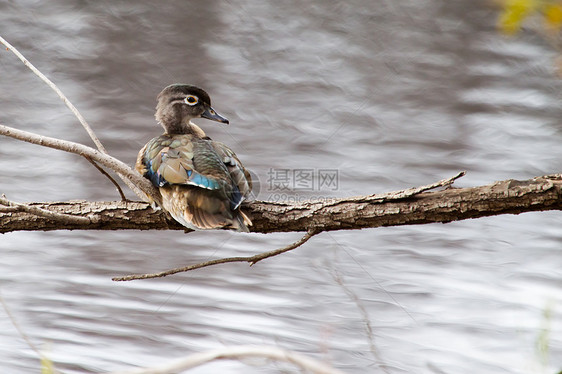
[{"x": 391, "y": 94}]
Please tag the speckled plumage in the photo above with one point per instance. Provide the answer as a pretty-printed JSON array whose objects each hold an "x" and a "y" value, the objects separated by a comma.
[{"x": 202, "y": 182}]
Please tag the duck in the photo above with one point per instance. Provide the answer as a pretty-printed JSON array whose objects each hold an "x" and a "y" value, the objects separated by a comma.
[{"x": 202, "y": 182}]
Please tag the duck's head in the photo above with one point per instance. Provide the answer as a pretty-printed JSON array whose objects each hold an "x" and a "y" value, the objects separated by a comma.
[{"x": 178, "y": 104}]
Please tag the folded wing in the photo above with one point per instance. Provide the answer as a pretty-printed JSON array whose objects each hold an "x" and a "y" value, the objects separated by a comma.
[{"x": 202, "y": 182}]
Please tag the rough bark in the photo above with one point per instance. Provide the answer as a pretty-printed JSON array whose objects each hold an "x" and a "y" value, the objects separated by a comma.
[{"x": 391, "y": 209}]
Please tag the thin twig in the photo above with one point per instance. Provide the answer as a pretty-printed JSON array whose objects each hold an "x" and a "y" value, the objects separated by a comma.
[
  {"x": 250, "y": 259},
  {"x": 18, "y": 328},
  {"x": 59, "y": 93},
  {"x": 45, "y": 213},
  {"x": 123, "y": 198},
  {"x": 75, "y": 111},
  {"x": 339, "y": 280},
  {"x": 262, "y": 256},
  {"x": 239, "y": 352},
  {"x": 409, "y": 192},
  {"x": 25, "y": 337},
  {"x": 141, "y": 186},
  {"x": 399, "y": 195}
]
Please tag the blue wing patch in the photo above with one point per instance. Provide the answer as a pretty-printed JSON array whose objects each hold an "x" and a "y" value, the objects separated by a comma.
[
  {"x": 154, "y": 176},
  {"x": 202, "y": 181},
  {"x": 194, "y": 178}
]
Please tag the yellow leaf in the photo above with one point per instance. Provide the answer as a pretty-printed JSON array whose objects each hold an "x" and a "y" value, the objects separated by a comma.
[
  {"x": 553, "y": 15},
  {"x": 47, "y": 366},
  {"x": 515, "y": 11}
]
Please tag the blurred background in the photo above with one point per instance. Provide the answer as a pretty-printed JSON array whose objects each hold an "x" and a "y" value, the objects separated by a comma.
[{"x": 383, "y": 95}]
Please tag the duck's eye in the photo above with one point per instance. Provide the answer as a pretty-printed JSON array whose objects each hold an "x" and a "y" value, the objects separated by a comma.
[{"x": 191, "y": 100}]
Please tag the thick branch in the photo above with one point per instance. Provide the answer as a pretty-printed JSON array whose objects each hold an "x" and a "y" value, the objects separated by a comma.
[
  {"x": 59, "y": 217},
  {"x": 453, "y": 204}
]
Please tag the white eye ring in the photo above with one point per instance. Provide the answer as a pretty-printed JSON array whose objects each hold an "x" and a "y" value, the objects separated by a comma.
[{"x": 191, "y": 100}]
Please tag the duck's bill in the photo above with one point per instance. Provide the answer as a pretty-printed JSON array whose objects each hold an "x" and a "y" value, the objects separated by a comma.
[{"x": 211, "y": 114}]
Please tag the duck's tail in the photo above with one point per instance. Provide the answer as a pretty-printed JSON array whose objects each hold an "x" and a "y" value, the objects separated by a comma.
[
  {"x": 241, "y": 222},
  {"x": 194, "y": 210}
]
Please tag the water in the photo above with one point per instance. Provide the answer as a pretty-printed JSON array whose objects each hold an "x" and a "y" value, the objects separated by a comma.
[{"x": 392, "y": 95}]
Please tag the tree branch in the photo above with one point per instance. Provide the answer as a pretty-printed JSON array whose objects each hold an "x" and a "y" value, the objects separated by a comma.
[
  {"x": 105, "y": 173},
  {"x": 46, "y": 363},
  {"x": 58, "y": 92},
  {"x": 402, "y": 194},
  {"x": 136, "y": 181},
  {"x": 55, "y": 216},
  {"x": 453, "y": 204},
  {"x": 251, "y": 259},
  {"x": 366, "y": 320},
  {"x": 238, "y": 353},
  {"x": 78, "y": 115}
]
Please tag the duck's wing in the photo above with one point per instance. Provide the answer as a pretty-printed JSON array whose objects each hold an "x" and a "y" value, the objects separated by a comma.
[
  {"x": 196, "y": 186},
  {"x": 169, "y": 160},
  {"x": 238, "y": 173}
]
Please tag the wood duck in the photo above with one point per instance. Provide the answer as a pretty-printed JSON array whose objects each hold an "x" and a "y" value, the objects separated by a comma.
[{"x": 202, "y": 182}]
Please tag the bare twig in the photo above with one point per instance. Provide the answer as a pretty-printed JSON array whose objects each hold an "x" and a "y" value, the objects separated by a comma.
[
  {"x": 119, "y": 190},
  {"x": 402, "y": 194},
  {"x": 45, "y": 213},
  {"x": 140, "y": 185},
  {"x": 18, "y": 328},
  {"x": 262, "y": 256},
  {"x": 75, "y": 111},
  {"x": 26, "y": 338},
  {"x": 409, "y": 192},
  {"x": 237, "y": 353},
  {"x": 59, "y": 93},
  {"x": 339, "y": 280},
  {"x": 250, "y": 259}
]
